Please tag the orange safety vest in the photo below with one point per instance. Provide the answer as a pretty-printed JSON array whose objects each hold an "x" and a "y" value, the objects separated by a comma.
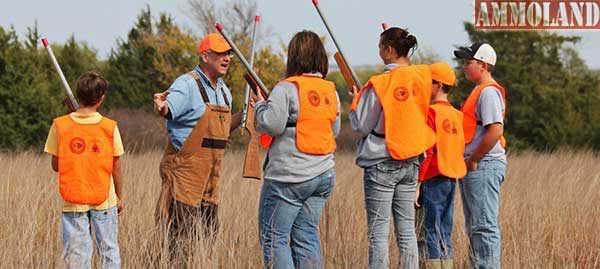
[
  {"x": 450, "y": 141},
  {"x": 85, "y": 159},
  {"x": 317, "y": 111},
  {"x": 404, "y": 93},
  {"x": 469, "y": 110}
]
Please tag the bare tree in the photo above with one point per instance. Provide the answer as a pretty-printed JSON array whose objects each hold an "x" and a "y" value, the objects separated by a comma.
[{"x": 236, "y": 15}]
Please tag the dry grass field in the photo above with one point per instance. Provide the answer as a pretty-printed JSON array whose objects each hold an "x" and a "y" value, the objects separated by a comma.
[{"x": 550, "y": 215}]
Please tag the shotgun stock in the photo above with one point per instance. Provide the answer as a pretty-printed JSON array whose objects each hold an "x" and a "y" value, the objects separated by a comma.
[
  {"x": 252, "y": 159},
  {"x": 345, "y": 70},
  {"x": 252, "y": 168}
]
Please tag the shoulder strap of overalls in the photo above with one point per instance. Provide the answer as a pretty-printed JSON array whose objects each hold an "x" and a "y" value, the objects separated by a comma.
[
  {"x": 225, "y": 97},
  {"x": 196, "y": 77},
  {"x": 200, "y": 86}
]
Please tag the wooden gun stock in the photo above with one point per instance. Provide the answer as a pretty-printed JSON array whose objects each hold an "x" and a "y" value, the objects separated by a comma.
[
  {"x": 254, "y": 86},
  {"x": 252, "y": 162},
  {"x": 345, "y": 70}
]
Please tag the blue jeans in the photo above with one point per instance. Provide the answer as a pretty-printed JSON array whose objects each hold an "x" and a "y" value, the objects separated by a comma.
[
  {"x": 390, "y": 187},
  {"x": 77, "y": 238},
  {"x": 437, "y": 199},
  {"x": 480, "y": 192},
  {"x": 289, "y": 215}
]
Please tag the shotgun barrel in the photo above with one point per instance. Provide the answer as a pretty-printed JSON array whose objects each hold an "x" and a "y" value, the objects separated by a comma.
[
  {"x": 71, "y": 102},
  {"x": 337, "y": 45},
  {"x": 245, "y": 63},
  {"x": 247, "y": 90},
  {"x": 252, "y": 167}
]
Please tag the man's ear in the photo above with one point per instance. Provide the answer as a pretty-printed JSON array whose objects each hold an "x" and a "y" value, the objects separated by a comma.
[{"x": 203, "y": 57}]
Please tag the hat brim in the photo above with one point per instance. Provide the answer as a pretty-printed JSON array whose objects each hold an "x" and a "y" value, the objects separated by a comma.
[
  {"x": 464, "y": 54},
  {"x": 221, "y": 49}
]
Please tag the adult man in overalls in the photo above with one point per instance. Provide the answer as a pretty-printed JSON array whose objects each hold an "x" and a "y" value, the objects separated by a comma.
[{"x": 197, "y": 107}]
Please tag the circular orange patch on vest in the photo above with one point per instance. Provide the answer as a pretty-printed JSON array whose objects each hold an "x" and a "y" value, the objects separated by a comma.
[
  {"x": 77, "y": 145},
  {"x": 314, "y": 98},
  {"x": 401, "y": 94},
  {"x": 449, "y": 127}
]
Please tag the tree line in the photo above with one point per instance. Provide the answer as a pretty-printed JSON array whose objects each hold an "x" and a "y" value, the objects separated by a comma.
[{"x": 553, "y": 97}]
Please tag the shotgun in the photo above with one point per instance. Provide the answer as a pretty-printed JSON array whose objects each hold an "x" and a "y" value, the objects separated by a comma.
[
  {"x": 247, "y": 91},
  {"x": 70, "y": 100},
  {"x": 252, "y": 168},
  {"x": 342, "y": 62}
]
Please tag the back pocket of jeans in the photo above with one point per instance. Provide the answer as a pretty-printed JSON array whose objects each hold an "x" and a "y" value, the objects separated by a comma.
[{"x": 389, "y": 167}]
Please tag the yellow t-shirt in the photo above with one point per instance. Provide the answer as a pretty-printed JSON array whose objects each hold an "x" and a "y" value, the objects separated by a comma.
[{"x": 52, "y": 148}]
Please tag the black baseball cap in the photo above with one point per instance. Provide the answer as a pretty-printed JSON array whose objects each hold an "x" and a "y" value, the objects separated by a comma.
[{"x": 478, "y": 51}]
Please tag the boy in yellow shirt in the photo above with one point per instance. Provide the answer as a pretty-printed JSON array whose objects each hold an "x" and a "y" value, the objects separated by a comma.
[{"x": 85, "y": 149}]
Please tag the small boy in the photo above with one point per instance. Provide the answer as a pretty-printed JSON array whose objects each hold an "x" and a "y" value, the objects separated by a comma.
[
  {"x": 440, "y": 170},
  {"x": 85, "y": 149}
]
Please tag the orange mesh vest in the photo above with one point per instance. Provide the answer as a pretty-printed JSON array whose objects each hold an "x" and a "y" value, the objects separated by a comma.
[
  {"x": 404, "y": 93},
  {"x": 469, "y": 110},
  {"x": 450, "y": 141},
  {"x": 85, "y": 159},
  {"x": 317, "y": 111}
]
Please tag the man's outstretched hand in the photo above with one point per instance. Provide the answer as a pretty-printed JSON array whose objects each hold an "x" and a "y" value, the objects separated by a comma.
[{"x": 160, "y": 103}]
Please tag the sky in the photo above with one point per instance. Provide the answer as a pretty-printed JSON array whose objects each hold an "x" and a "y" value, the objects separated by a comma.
[{"x": 438, "y": 25}]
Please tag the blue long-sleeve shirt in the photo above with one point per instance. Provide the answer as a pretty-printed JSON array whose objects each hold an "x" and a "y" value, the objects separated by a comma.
[{"x": 186, "y": 106}]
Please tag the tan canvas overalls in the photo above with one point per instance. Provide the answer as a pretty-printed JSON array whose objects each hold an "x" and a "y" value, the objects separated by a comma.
[{"x": 190, "y": 177}]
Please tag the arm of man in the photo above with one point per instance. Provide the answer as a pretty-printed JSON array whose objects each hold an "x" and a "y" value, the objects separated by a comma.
[
  {"x": 367, "y": 113},
  {"x": 160, "y": 103},
  {"x": 177, "y": 99},
  {"x": 236, "y": 120}
]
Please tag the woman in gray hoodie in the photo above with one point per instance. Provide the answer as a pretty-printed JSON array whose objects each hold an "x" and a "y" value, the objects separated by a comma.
[{"x": 302, "y": 116}]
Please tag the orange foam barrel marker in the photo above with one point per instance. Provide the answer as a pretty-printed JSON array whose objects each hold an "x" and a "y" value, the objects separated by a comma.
[{"x": 265, "y": 141}]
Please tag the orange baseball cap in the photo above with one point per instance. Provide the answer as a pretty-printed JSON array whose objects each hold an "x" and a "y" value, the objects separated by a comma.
[
  {"x": 214, "y": 42},
  {"x": 442, "y": 72}
]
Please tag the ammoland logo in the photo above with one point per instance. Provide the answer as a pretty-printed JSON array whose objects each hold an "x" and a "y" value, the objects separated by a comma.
[{"x": 534, "y": 15}]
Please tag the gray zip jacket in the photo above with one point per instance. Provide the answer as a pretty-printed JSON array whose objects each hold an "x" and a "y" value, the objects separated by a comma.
[
  {"x": 284, "y": 162},
  {"x": 368, "y": 117}
]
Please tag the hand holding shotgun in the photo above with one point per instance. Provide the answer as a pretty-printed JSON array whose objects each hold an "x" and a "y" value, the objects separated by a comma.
[
  {"x": 70, "y": 100},
  {"x": 252, "y": 167},
  {"x": 349, "y": 75}
]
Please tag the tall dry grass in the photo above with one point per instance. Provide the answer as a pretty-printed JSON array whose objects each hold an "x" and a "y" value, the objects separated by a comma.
[{"x": 550, "y": 215}]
